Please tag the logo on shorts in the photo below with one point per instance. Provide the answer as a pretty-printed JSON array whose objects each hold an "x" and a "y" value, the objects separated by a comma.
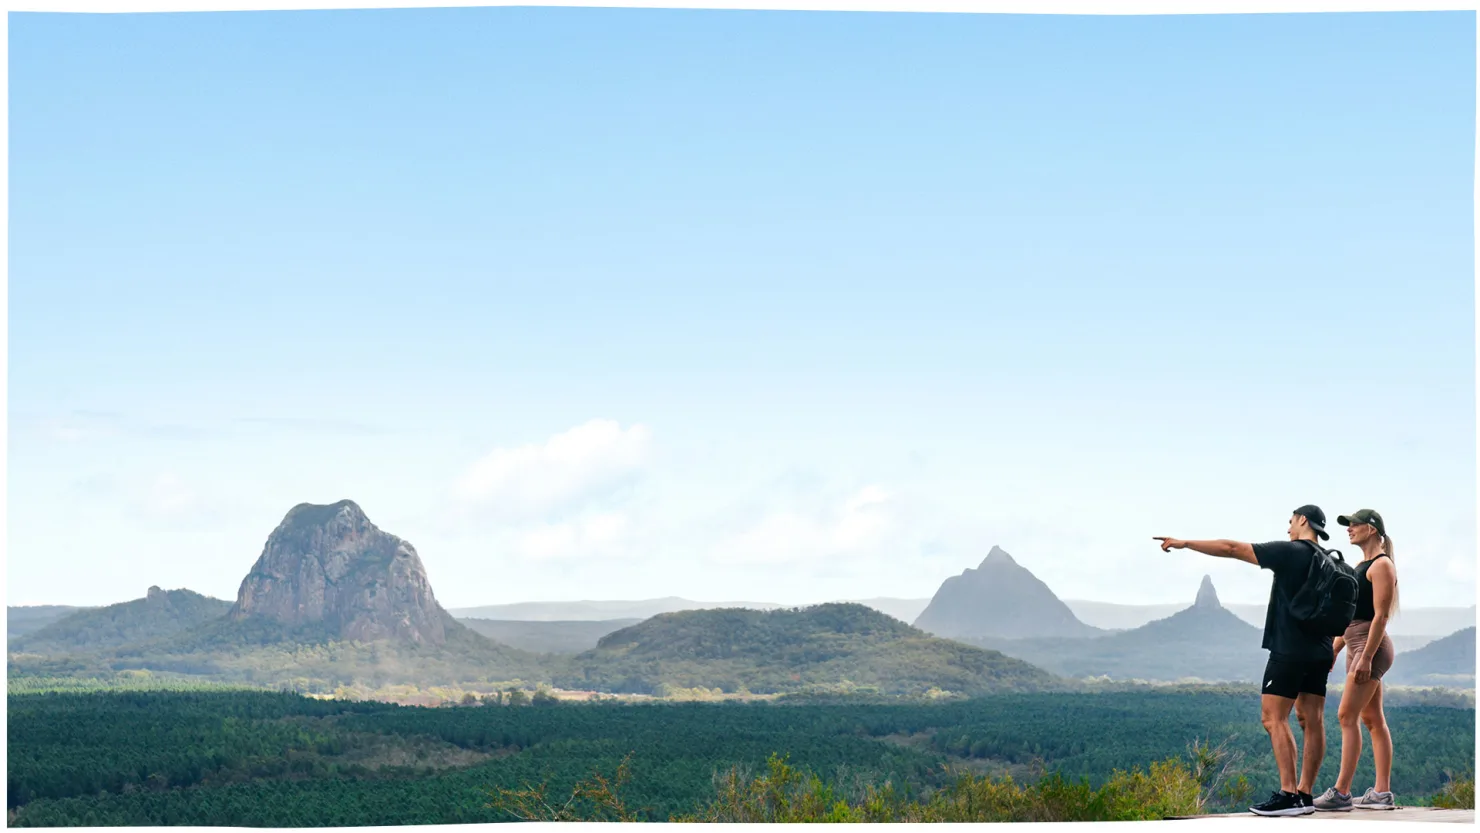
[{"x": 1268, "y": 684}]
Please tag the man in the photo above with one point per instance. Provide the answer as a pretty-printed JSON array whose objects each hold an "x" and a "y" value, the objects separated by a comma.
[{"x": 1299, "y": 662}]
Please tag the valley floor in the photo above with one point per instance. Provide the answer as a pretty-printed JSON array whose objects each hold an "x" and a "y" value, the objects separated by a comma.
[{"x": 267, "y": 759}]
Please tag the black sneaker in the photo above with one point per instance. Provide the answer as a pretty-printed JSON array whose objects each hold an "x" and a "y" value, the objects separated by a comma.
[
  {"x": 1308, "y": 800},
  {"x": 1281, "y": 803}
]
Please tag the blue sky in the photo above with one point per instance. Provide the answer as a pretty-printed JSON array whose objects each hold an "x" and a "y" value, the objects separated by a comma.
[{"x": 737, "y": 305}]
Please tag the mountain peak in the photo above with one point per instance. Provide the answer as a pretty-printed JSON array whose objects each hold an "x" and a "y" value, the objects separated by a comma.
[
  {"x": 997, "y": 555},
  {"x": 1207, "y": 597},
  {"x": 330, "y": 566},
  {"x": 1000, "y": 598},
  {"x": 309, "y": 514}
]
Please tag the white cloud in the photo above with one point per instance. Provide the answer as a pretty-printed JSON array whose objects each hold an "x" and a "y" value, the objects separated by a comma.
[
  {"x": 857, "y": 525},
  {"x": 595, "y": 535},
  {"x": 569, "y": 468}
]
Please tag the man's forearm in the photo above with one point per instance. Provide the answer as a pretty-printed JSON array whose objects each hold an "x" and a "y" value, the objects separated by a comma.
[{"x": 1223, "y": 549}]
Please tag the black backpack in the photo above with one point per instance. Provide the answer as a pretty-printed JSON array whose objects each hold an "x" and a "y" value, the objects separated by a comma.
[{"x": 1326, "y": 603}]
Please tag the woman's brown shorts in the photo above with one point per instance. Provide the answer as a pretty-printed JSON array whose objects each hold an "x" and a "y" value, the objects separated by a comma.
[{"x": 1356, "y": 643}]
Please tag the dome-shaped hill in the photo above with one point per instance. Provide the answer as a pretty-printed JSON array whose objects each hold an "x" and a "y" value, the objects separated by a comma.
[{"x": 792, "y": 650}]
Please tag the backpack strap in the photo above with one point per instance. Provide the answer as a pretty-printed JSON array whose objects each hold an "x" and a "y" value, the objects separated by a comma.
[{"x": 1323, "y": 551}]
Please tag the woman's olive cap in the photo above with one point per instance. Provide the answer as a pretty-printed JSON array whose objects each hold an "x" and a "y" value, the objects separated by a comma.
[{"x": 1363, "y": 516}]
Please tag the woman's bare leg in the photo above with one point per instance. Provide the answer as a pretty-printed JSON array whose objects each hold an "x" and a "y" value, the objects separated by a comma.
[
  {"x": 1354, "y": 700},
  {"x": 1382, "y": 741}
]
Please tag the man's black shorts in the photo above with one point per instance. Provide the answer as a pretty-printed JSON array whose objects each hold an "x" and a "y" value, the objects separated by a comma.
[{"x": 1291, "y": 678}]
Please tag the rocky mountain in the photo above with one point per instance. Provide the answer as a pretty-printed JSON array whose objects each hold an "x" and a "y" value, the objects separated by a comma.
[
  {"x": 1207, "y": 596},
  {"x": 329, "y": 566},
  {"x": 1203, "y": 642},
  {"x": 1002, "y": 600},
  {"x": 788, "y": 650},
  {"x": 331, "y": 600},
  {"x": 1446, "y": 662},
  {"x": 548, "y": 637},
  {"x": 161, "y": 613}
]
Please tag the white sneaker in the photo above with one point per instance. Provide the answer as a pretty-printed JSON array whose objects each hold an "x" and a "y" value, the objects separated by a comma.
[
  {"x": 1374, "y": 800},
  {"x": 1332, "y": 801}
]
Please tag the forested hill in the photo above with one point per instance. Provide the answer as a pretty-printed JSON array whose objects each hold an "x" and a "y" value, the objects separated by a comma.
[
  {"x": 312, "y": 656},
  {"x": 1445, "y": 662},
  {"x": 826, "y": 646},
  {"x": 161, "y": 613}
]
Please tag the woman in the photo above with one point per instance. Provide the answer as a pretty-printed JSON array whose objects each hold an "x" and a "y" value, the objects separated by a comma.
[{"x": 1369, "y": 654}]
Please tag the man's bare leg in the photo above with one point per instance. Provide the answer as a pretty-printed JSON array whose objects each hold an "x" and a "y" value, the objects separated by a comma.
[
  {"x": 1275, "y": 714},
  {"x": 1310, "y": 710}
]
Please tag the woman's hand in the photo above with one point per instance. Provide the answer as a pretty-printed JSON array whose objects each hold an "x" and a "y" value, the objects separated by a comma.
[{"x": 1363, "y": 670}]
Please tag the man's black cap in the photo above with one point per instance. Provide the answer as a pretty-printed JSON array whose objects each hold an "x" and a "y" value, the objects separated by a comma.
[
  {"x": 1316, "y": 518},
  {"x": 1364, "y": 516}
]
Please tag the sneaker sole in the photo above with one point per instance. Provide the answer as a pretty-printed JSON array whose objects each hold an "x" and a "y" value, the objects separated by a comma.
[
  {"x": 1293, "y": 811},
  {"x": 1346, "y": 809},
  {"x": 1377, "y": 807}
]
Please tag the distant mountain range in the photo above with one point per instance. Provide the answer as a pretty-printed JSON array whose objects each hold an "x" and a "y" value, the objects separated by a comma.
[
  {"x": 1446, "y": 662},
  {"x": 1422, "y": 623},
  {"x": 332, "y": 599},
  {"x": 1203, "y": 642},
  {"x": 20, "y": 621},
  {"x": 585, "y": 611},
  {"x": 904, "y": 610},
  {"x": 1411, "y": 629},
  {"x": 548, "y": 637}
]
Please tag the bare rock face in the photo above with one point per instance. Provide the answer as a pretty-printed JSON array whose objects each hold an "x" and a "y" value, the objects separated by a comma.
[
  {"x": 329, "y": 565},
  {"x": 1207, "y": 597}
]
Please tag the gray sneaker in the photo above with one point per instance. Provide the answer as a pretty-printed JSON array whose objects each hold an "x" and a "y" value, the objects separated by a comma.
[
  {"x": 1332, "y": 801},
  {"x": 1374, "y": 800}
]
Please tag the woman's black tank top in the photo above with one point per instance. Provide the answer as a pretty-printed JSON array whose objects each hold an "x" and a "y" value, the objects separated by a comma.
[{"x": 1366, "y": 609}]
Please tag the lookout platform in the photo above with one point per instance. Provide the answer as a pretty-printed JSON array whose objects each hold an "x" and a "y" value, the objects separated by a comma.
[{"x": 1408, "y": 814}]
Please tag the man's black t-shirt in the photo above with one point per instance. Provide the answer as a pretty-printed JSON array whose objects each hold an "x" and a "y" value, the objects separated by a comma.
[{"x": 1283, "y": 635}]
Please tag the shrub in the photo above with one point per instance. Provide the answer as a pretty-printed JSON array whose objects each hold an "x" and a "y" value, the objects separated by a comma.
[
  {"x": 1457, "y": 794},
  {"x": 784, "y": 793}
]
